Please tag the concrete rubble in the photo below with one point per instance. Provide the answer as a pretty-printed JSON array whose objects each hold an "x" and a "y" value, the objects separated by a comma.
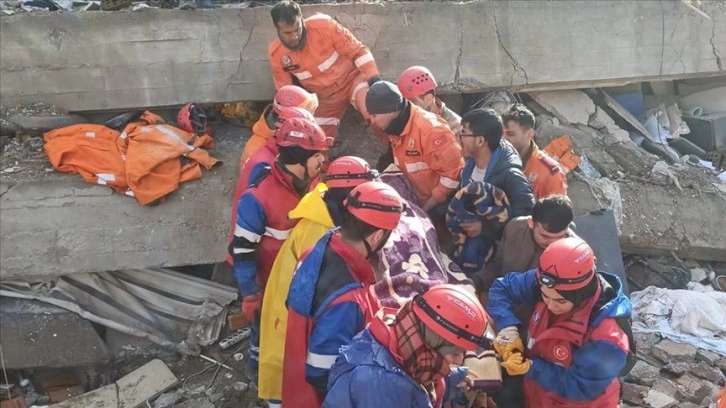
[{"x": 671, "y": 374}]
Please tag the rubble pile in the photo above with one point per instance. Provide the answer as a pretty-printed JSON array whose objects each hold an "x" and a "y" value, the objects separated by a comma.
[{"x": 670, "y": 374}]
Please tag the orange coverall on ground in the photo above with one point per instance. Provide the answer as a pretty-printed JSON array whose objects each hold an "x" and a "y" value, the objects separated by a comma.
[
  {"x": 429, "y": 155},
  {"x": 332, "y": 63},
  {"x": 543, "y": 173}
]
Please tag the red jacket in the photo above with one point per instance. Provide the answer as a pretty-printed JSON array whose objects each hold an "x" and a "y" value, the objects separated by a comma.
[
  {"x": 261, "y": 227},
  {"x": 314, "y": 335},
  {"x": 555, "y": 339},
  {"x": 264, "y": 155}
]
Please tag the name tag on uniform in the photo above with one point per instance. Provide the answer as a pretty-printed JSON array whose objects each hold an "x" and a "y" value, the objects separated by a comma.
[
  {"x": 413, "y": 153},
  {"x": 292, "y": 68}
]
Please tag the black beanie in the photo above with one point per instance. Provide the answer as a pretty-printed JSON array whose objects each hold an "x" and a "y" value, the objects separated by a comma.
[
  {"x": 384, "y": 97},
  {"x": 578, "y": 296}
]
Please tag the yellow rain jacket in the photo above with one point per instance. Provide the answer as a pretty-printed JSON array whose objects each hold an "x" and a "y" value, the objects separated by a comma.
[{"x": 314, "y": 222}]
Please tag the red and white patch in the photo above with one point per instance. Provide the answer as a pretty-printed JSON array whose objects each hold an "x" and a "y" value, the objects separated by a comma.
[
  {"x": 531, "y": 177},
  {"x": 286, "y": 61},
  {"x": 561, "y": 353}
]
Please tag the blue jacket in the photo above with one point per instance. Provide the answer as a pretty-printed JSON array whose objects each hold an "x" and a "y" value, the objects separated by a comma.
[
  {"x": 595, "y": 363},
  {"x": 367, "y": 376},
  {"x": 504, "y": 171}
]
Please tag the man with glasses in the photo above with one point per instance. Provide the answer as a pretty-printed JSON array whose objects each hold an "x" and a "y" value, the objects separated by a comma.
[
  {"x": 579, "y": 339},
  {"x": 492, "y": 160}
]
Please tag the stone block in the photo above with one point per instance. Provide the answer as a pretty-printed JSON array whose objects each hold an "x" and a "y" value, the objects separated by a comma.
[
  {"x": 634, "y": 393},
  {"x": 693, "y": 389},
  {"x": 708, "y": 357},
  {"x": 700, "y": 370},
  {"x": 643, "y": 374},
  {"x": 669, "y": 351},
  {"x": 656, "y": 399},
  {"x": 567, "y": 106},
  {"x": 667, "y": 387}
]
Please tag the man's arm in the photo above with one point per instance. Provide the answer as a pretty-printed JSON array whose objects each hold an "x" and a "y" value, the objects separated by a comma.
[
  {"x": 334, "y": 328},
  {"x": 512, "y": 289},
  {"x": 348, "y": 46},
  {"x": 251, "y": 221},
  {"x": 443, "y": 155},
  {"x": 519, "y": 193},
  {"x": 279, "y": 76}
]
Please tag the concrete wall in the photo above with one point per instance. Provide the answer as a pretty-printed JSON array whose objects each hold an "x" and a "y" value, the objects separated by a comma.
[{"x": 115, "y": 60}]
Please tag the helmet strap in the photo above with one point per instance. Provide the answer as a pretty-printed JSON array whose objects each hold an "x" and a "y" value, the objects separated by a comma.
[{"x": 372, "y": 251}]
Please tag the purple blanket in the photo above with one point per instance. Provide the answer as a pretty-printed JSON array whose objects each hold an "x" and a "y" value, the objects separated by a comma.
[{"x": 412, "y": 259}]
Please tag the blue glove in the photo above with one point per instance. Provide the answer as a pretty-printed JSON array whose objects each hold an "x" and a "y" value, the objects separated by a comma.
[{"x": 455, "y": 377}]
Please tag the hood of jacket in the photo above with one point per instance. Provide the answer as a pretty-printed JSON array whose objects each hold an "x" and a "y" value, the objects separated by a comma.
[
  {"x": 612, "y": 301},
  {"x": 312, "y": 207}
]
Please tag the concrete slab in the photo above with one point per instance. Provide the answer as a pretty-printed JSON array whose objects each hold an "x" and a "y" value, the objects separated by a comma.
[
  {"x": 36, "y": 335},
  {"x": 118, "y": 60},
  {"x": 60, "y": 224}
]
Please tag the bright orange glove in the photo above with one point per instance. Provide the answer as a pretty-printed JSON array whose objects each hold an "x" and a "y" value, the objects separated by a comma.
[
  {"x": 251, "y": 306},
  {"x": 516, "y": 364}
]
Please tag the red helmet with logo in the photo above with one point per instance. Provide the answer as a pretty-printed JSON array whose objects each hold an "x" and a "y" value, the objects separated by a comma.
[
  {"x": 289, "y": 96},
  {"x": 348, "y": 171},
  {"x": 416, "y": 81},
  {"x": 294, "y": 112},
  {"x": 304, "y": 133},
  {"x": 566, "y": 264},
  {"x": 192, "y": 118},
  {"x": 454, "y": 314},
  {"x": 377, "y": 204}
]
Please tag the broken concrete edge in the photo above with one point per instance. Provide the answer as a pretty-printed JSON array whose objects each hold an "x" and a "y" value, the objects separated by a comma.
[{"x": 241, "y": 70}]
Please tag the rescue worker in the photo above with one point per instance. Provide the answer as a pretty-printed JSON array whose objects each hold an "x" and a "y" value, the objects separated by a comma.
[
  {"x": 492, "y": 160},
  {"x": 577, "y": 343},
  {"x": 330, "y": 298},
  {"x": 263, "y": 130},
  {"x": 262, "y": 222},
  {"x": 526, "y": 237},
  {"x": 412, "y": 358},
  {"x": 418, "y": 85},
  {"x": 542, "y": 171},
  {"x": 424, "y": 148},
  {"x": 318, "y": 212},
  {"x": 261, "y": 158},
  {"x": 323, "y": 57}
]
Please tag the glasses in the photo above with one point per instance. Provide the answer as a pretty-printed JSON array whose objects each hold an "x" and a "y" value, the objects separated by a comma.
[
  {"x": 468, "y": 135},
  {"x": 549, "y": 280}
]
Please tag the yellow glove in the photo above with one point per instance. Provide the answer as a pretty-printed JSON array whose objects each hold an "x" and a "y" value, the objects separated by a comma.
[
  {"x": 508, "y": 342},
  {"x": 516, "y": 364}
]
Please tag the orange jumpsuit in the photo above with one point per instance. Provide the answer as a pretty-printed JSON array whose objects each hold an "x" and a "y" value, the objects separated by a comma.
[
  {"x": 429, "y": 155},
  {"x": 543, "y": 173},
  {"x": 332, "y": 63},
  {"x": 260, "y": 134}
]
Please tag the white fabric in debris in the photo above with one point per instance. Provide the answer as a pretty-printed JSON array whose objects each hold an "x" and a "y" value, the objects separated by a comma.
[{"x": 697, "y": 318}]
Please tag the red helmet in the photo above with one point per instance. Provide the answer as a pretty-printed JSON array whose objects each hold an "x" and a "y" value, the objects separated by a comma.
[
  {"x": 416, "y": 81},
  {"x": 290, "y": 96},
  {"x": 192, "y": 118},
  {"x": 452, "y": 313},
  {"x": 304, "y": 133},
  {"x": 566, "y": 264},
  {"x": 348, "y": 171},
  {"x": 293, "y": 112},
  {"x": 377, "y": 204}
]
